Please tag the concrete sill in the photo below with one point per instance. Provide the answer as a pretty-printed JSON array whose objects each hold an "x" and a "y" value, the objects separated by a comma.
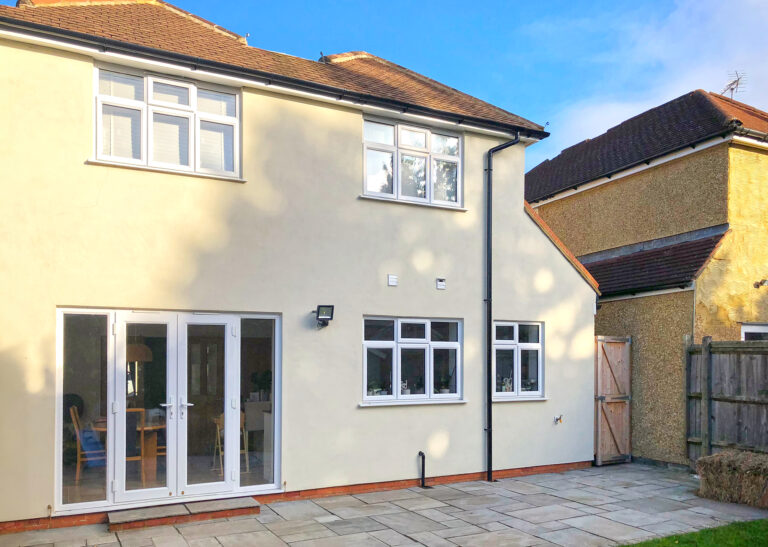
[
  {"x": 161, "y": 170},
  {"x": 369, "y": 404},
  {"x": 518, "y": 399}
]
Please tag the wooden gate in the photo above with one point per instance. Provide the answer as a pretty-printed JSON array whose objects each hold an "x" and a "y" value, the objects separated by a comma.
[{"x": 612, "y": 400}]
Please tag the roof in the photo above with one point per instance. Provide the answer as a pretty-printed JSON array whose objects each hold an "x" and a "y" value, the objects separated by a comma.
[
  {"x": 165, "y": 28},
  {"x": 671, "y": 266},
  {"x": 684, "y": 121},
  {"x": 569, "y": 256}
]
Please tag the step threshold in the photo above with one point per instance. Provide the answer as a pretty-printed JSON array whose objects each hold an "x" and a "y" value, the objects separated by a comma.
[{"x": 182, "y": 512}]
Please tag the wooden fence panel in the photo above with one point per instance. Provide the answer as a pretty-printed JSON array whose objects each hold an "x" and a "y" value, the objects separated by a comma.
[{"x": 727, "y": 396}]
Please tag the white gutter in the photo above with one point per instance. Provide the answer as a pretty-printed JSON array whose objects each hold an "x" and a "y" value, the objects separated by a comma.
[
  {"x": 207, "y": 76},
  {"x": 639, "y": 168},
  {"x": 746, "y": 141}
]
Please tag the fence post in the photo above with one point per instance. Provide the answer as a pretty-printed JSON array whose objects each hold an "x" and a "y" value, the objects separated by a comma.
[{"x": 706, "y": 393}]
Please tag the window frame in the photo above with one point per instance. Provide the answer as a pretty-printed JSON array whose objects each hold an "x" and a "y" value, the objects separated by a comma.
[
  {"x": 518, "y": 347},
  {"x": 149, "y": 106},
  {"x": 752, "y": 327},
  {"x": 399, "y": 343},
  {"x": 398, "y": 150}
]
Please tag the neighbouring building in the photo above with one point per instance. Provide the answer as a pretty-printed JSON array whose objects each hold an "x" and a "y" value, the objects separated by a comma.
[
  {"x": 669, "y": 212},
  {"x": 227, "y": 271}
]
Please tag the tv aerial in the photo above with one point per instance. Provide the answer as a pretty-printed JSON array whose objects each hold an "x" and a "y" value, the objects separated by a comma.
[{"x": 736, "y": 84}]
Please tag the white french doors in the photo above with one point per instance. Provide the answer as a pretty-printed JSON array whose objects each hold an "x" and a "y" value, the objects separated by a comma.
[{"x": 175, "y": 404}]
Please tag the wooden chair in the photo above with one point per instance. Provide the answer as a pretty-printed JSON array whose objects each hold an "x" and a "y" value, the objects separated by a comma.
[
  {"x": 83, "y": 456},
  {"x": 217, "y": 448},
  {"x": 139, "y": 428}
]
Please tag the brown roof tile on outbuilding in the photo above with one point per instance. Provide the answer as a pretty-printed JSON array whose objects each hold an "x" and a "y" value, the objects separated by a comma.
[
  {"x": 158, "y": 25},
  {"x": 684, "y": 121},
  {"x": 672, "y": 266}
]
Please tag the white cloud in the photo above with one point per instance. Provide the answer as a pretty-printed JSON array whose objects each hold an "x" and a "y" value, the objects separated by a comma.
[{"x": 655, "y": 60}]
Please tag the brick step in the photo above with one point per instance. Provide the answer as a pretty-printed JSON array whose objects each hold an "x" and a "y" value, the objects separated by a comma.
[{"x": 181, "y": 512}]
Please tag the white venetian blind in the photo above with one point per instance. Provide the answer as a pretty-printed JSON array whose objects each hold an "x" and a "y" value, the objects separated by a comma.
[
  {"x": 120, "y": 85},
  {"x": 121, "y": 132},
  {"x": 214, "y": 102},
  {"x": 217, "y": 146},
  {"x": 170, "y": 139}
]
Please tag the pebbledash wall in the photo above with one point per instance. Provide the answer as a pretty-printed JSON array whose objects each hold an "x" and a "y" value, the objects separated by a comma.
[{"x": 294, "y": 235}]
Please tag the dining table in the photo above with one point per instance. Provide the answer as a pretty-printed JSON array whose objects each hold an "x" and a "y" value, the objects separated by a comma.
[{"x": 149, "y": 458}]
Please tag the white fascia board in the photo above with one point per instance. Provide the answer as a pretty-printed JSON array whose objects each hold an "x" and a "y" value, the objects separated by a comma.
[
  {"x": 715, "y": 141},
  {"x": 212, "y": 77},
  {"x": 644, "y": 294}
]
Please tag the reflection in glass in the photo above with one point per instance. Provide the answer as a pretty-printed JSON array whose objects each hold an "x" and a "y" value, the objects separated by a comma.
[
  {"x": 412, "y": 366},
  {"x": 505, "y": 370},
  {"x": 528, "y": 333},
  {"x": 413, "y": 331},
  {"x": 146, "y": 348},
  {"x": 505, "y": 332},
  {"x": 445, "y": 331},
  {"x": 379, "y": 132},
  {"x": 84, "y": 435},
  {"x": 379, "y": 371},
  {"x": 446, "y": 179},
  {"x": 379, "y": 329},
  {"x": 444, "y": 366},
  {"x": 414, "y": 139},
  {"x": 257, "y": 396},
  {"x": 529, "y": 370},
  {"x": 205, "y": 390},
  {"x": 378, "y": 168},
  {"x": 413, "y": 176},
  {"x": 443, "y": 144}
]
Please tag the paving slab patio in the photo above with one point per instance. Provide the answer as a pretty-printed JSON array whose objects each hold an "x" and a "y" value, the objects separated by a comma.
[{"x": 590, "y": 507}]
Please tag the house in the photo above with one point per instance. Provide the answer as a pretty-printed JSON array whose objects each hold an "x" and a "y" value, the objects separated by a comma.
[
  {"x": 229, "y": 271},
  {"x": 667, "y": 211}
]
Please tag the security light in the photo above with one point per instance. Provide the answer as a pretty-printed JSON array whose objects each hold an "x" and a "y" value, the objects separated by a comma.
[{"x": 324, "y": 314}]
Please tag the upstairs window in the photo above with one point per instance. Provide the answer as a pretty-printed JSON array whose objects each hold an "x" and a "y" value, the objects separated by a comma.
[
  {"x": 167, "y": 124},
  {"x": 412, "y": 164}
]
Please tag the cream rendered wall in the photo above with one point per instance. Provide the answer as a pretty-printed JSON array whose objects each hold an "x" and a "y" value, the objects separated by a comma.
[{"x": 293, "y": 236}]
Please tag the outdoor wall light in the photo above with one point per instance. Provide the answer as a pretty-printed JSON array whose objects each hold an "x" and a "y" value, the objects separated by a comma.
[{"x": 324, "y": 314}]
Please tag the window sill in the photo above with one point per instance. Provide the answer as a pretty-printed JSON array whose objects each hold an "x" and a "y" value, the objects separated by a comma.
[
  {"x": 403, "y": 202},
  {"x": 367, "y": 404},
  {"x": 162, "y": 170},
  {"x": 497, "y": 399}
]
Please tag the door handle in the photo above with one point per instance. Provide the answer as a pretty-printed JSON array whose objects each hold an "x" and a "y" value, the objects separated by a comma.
[
  {"x": 183, "y": 406},
  {"x": 168, "y": 405}
]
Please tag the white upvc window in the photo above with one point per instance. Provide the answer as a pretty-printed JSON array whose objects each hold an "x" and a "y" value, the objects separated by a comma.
[
  {"x": 518, "y": 362},
  {"x": 413, "y": 164},
  {"x": 168, "y": 124},
  {"x": 411, "y": 360},
  {"x": 754, "y": 332}
]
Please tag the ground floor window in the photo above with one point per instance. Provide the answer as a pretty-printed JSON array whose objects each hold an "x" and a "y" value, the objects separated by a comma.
[
  {"x": 754, "y": 332},
  {"x": 518, "y": 366},
  {"x": 411, "y": 359},
  {"x": 165, "y": 404}
]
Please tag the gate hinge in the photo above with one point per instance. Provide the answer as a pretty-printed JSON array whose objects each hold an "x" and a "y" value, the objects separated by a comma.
[{"x": 600, "y": 398}]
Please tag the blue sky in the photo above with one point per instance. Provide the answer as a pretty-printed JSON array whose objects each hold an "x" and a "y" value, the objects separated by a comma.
[{"x": 581, "y": 66}]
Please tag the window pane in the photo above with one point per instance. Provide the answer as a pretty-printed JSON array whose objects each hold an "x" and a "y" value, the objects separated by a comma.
[
  {"x": 378, "y": 166},
  {"x": 84, "y": 456},
  {"x": 529, "y": 370},
  {"x": 379, "y": 329},
  {"x": 413, "y": 330},
  {"x": 415, "y": 139},
  {"x": 379, "y": 371},
  {"x": 505, "y": 332},
  {"x": 505, "y": 371},
  {"x": 170, "y": 139},
  {"x": 224, "y": 104},
  {"x": 168, "y": 93},
  {"x": 446, "y": 177},
  {"x": 412, "y": 367},
  {"x": 443, "y": 144},
  {"x": 121, "y": 132},
  {"x": 413, "y": 176},
  {"x": 444, "y": 366},
  {"x": 529, "y": 333},
  {"x": 379, "y": 132},
  {"x": 217, "y": 142},
  {"x": 756, "y": 335},
  {"x": 445, "y": 331},
  {"x": 121, "y": 85},
  {"x": 257, "y": 367}
]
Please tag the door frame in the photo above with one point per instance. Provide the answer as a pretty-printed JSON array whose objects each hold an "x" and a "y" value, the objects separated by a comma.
[{"x": 61, "y": 509}]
